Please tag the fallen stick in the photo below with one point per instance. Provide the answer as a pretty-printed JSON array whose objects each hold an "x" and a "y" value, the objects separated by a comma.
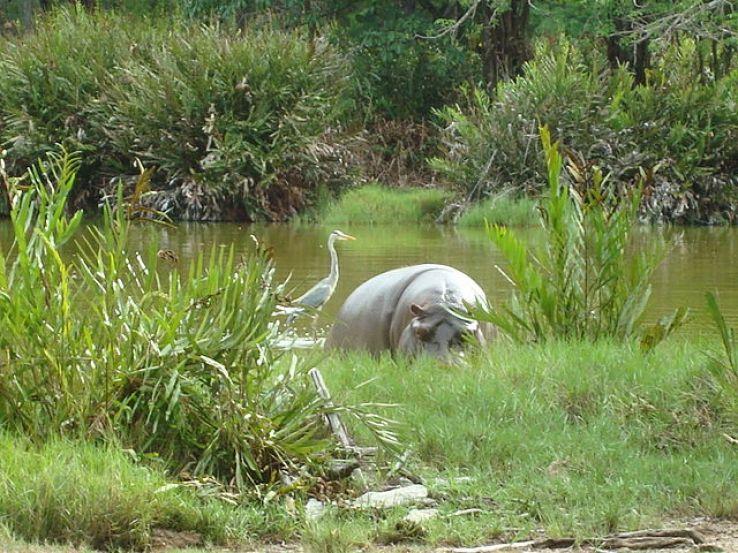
[
  {"x": 643, "y": 543},
  {"x": 334, "y": 421},
  {"x": 690, "y": 533},
  {"x": 495, "y": 547},
  {"x": 635, "y": 541}
]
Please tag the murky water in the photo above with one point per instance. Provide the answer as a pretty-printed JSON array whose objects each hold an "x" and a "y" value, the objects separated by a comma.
[{"x": 702, "y": 259}]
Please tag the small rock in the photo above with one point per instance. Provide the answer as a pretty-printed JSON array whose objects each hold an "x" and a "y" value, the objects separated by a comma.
[
  {"x": 314, "y": 509},
  {"x": 447, "y": 481},
  {"x": 427, "y": 502},
  {"x": 338, "y": 470},
  {"x": 416, "y": 516},
  {"x": 402, "y": 481},
  {"x": 393, "y": 498}
]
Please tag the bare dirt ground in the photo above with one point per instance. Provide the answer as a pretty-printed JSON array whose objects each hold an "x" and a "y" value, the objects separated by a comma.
[{"x": 720, "y": 536}]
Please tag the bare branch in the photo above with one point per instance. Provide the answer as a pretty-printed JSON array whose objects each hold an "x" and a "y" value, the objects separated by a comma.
[{"x": 457, "y": 25}]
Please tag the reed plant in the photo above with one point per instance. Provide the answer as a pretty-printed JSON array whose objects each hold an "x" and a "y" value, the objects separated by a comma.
[
  {"x": 585, "y": 281},
  {"x": 104, "y": 343},
  {"x": 724, "y": 367}
]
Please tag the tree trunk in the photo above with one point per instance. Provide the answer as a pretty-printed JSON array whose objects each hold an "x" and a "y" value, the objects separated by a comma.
[
  {"x": 641, "y": 61},
  {"x": 505, "y": 45},
  {"x": 637, "y": 56},
  {"x": 26, "y": 13}
]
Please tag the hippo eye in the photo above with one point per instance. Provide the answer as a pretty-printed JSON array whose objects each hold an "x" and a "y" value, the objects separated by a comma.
[{"x": 423, "y": 333}]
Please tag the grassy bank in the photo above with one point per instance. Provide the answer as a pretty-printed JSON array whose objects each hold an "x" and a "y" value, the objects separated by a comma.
[
  {"x": 75, "y": 492},
  {"x": 573, "y": 438},
  {"x": 569, "y": 438},
  {"x": 375, "y": 204},
  {"x": 503, "y": 210}
]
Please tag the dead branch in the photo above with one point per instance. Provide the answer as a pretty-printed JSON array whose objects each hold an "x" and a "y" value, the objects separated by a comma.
[
  {"x": 453, "y": 28},
  {"x": 635, "y": 541}
]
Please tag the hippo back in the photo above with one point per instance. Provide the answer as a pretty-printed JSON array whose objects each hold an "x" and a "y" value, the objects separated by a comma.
[{"x": 376, "y": 314}]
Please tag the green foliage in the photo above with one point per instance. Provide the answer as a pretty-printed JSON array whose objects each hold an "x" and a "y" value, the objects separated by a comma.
[
  {"x": 724, "y": 368},
  {"x": 501, "y": 209},
  {"x": 180, "y": 364},
  {"x": 588, "y": 438},
  {"x": 681, "y": 130},
  {"x": 495, "y": 140},
  {"x": 74, "y": 492},
  {"x": 375, "y": 204},
  {"x": 399, "y": 75},
  {"x": 239, "y": 123},
  {"x": 583, "y": 282}
]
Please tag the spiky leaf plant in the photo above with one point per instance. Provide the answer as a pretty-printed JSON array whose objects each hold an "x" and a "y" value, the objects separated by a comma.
[
  {"x": 585, "y": 281},
  {"x": 99, "y": 342}
]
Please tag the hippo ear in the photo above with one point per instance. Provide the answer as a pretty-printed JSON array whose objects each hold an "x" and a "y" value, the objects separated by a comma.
[{"x": 416, "y": 310}]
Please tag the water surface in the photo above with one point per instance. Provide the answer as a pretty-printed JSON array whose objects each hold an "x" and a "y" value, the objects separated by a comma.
[{"x": 702, "y": 258}]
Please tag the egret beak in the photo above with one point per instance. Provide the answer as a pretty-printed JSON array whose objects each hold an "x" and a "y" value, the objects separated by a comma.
[{"x": 348, "y": 237}]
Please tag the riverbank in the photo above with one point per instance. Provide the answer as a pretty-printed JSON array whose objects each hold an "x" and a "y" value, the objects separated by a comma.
[
  {"x": 375, "y": 204},
  {"x": 564, "y": 439}
]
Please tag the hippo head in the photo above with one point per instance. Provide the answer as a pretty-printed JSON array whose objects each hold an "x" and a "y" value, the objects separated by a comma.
[{"x": 437, "y": 330}]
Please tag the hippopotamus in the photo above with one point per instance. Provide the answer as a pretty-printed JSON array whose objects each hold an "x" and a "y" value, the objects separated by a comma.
[{"x": 410, "y": 310}]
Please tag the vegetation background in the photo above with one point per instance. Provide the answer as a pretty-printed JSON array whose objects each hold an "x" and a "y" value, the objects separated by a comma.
[
  {"x": 137, "y": 399},
  {"x": 260, "y": 110}
]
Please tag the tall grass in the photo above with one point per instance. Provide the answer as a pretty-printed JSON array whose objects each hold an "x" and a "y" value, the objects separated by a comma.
[
  {"x": 572, "y": 438},
  {"x": 584, "y": 282},
  {"x": 239, "y": 123},
  {"x": 74, "y": 492},
  {"x": 375, "y": 204},
  {"x": 724, "y": 366},
  {"x": 501, "y": 209},
  {"x": 103, "y": 344}
]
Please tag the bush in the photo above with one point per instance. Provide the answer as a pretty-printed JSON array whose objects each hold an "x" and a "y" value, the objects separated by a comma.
[
  {"x": 181, "y": 364},
  {"x": 582, "y": 283},
  {"x": 724, "y": 367},
  {"x": 680, "y": 131},
  {"x": 240, "y": 124}
]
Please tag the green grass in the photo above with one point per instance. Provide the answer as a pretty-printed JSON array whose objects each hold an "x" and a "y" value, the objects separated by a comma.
[
  {"x": 577, "y": 439},
  {"x": 501, "y": 209},
  {"x": 375, "y": 204},
  {"x": 571, "y": 438},
  {"x": 79, "y": 493}
]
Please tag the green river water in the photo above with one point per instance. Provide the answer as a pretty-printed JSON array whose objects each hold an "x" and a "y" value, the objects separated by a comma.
[{"x": 701, "y": 259}]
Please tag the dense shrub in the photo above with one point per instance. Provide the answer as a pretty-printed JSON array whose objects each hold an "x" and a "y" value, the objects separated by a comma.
[
  {"x": 682, "y": 132},
  {"x": 177, "y": 363},
  {"x": 240, "y": 123}
]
